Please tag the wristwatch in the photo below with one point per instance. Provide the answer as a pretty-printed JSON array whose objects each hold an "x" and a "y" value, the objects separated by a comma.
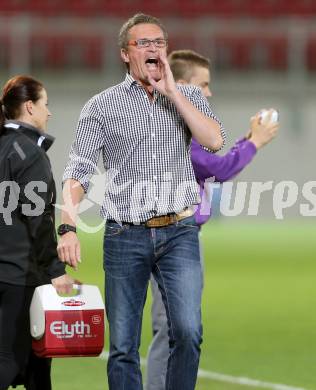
[{"x": 64, "y": 228}]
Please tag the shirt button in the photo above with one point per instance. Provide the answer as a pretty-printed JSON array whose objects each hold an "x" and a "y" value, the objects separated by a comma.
[
  {"x": 155, "y": 178},
  {"x": 154, "y": 156},
  {"x": 153, "y": 135}
]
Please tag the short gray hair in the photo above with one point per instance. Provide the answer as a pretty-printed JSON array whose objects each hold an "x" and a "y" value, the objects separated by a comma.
[{"x": 133, "y": 21}]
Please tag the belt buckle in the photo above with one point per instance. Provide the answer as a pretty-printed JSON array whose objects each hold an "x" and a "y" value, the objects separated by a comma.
[
  {"x": 170, "y": 219},
  {"x": 157, "y": 222},
  {"x": 161, "y": 221}
]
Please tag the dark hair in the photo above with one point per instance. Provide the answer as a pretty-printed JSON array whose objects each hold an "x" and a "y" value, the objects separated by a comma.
[
  {"x": 15, "y": 92},
  {"x": 182, "y": 63}
]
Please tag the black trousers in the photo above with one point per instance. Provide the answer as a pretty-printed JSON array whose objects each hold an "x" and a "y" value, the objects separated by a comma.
[{"x": 18, "y": 364}]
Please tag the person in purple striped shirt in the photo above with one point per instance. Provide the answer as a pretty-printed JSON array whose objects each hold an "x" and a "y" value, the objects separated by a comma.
[{"x": 189, "y": 67}]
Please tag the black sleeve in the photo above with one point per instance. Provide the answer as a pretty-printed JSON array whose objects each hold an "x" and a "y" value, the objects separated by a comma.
[
  {"x": 45, "y": 245},
  {"x": 34, "y": 177}
]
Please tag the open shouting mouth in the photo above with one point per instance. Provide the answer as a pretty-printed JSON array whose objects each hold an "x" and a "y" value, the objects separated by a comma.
[{"x": 152, "y": 63}]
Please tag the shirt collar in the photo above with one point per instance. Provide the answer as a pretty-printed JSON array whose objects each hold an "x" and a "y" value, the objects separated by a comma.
[
  {"x": 129, "y": 81},
  {"x": 43, "y": 140}
]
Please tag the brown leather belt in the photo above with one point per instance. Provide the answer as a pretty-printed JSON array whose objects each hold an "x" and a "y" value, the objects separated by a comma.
[
  {"x": 163, "y": 220},
  {"x": 169, "y": 219}
]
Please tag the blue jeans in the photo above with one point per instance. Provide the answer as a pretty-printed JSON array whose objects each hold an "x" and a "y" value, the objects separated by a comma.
[
  {"x": 171, "y": 254},
  {"x": 158, "y": 352}
]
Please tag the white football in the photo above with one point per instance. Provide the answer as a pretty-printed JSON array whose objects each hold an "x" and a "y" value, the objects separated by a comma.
[{"x": 274, "y": 116}]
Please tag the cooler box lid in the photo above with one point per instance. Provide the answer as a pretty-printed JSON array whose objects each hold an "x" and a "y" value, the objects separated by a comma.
[{"x": 46, "y": 298}]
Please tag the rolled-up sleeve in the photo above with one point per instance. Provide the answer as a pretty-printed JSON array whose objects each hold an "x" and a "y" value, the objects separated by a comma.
[
  {"x": 202, "y": 104},
  {"x": 85, "y": 150}
]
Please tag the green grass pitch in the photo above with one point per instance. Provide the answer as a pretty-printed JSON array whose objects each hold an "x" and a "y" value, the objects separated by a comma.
[{"x": 259, "y": 307}]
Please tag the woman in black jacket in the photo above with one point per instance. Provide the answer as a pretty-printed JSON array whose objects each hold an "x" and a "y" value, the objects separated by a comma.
[{"x": 28, "y": 255}]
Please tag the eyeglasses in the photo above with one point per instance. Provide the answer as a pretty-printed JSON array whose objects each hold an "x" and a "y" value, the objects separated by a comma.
[{"x": 142, "y": 43}]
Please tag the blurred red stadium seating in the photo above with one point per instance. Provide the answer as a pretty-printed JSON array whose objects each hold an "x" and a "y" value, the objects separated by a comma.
[
  {"x": 67, "y": 50},
  {"x": 187, "y": 8},
  {"x": 311, "y": 53},
  {"x": 239, "y": 51},
  {"x": 251, "y": 52},
  {"x": 5, "y": 47},
  {"x": 231, "y": 49}
]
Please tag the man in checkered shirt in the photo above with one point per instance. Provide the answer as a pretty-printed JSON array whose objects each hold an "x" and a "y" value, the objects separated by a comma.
[{"x": 143, "y": 127}]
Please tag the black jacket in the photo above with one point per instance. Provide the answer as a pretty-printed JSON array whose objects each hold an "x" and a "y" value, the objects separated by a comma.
[{"x": 28, "y": 254}]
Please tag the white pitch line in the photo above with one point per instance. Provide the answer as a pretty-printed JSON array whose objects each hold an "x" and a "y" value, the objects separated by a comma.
[
  {"x": 245, "y": 381},
  {"x": 227, "y": 378}
]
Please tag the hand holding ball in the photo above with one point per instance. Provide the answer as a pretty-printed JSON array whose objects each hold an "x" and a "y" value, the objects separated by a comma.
[{"x": 267, "y": 116}]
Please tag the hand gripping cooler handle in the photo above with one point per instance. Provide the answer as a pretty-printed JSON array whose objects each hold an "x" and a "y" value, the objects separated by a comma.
[{"x": 77, "y": 289}]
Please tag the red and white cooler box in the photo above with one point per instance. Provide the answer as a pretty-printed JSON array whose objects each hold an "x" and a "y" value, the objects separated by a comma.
[{"x": 67, "y": 326}]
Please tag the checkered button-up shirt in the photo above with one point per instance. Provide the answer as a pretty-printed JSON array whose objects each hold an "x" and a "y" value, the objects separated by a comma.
[{"x": 145, "y": 147}]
